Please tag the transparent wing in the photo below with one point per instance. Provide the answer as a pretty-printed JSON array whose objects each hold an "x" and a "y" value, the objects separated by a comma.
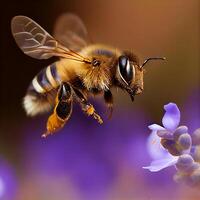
[
  {"x": 70, "y": 31},
  {"x": 34, "y": 41}
]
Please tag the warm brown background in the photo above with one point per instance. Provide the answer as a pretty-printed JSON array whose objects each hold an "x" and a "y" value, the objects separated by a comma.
[{"x": 151, "y": 28}]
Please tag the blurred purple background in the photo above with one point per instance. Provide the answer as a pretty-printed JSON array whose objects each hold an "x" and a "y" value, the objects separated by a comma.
[{"x": 87, "y": 161}]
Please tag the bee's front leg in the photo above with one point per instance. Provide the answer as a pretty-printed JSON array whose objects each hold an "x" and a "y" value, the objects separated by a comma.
[
  {"x": 87, "y": 107},
  {"x": 62, "y": 110},
  {"x": 108, "y": 97}
]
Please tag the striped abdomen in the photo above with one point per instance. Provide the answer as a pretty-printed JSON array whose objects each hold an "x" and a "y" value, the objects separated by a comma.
[{"x": 41, "y": 93}]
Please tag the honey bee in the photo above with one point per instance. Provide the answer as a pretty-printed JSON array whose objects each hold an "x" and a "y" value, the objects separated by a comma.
[{"x": 83, "y": 69}]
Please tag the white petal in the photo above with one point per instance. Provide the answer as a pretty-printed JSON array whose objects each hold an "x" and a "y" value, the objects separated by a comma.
[
  {"x": 158, "y": 165},
  {"x": 154, "y": 148},
  {"x": 156, "y": 127},
  {"x": 171, "y": 117}
]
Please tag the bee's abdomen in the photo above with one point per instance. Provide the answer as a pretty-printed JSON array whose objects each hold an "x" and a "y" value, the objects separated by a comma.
[
  {"x": 46, "y": 80},
  {"x": 41, "y": 92}
]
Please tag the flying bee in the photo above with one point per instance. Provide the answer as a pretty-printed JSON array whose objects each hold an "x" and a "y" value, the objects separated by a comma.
[{"x": 82, "y": 69}]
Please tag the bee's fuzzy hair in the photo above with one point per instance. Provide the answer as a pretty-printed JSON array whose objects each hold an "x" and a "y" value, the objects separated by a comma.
[{"x": 34, "y": 105}]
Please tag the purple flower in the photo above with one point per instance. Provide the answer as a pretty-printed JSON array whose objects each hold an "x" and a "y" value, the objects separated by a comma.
[
  {"x": 174, "y": 139},
  {"x": 161, "y": 157},
  {"x": 164, "y": 137},
  {"x": 175, "y": 147},
  {"x": 8, "y": 183}
]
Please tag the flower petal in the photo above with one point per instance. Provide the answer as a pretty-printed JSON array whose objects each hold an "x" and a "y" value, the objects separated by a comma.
[
  {"x": 158, "y": 165},
  {"x": 156, "y": 127},
  {"x": 154, "y": 147},
  {"x": 171, "y": 117}
]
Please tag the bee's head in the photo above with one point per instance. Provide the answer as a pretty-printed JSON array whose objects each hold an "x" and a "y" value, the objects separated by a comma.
[{"x": 129, "y": 74}]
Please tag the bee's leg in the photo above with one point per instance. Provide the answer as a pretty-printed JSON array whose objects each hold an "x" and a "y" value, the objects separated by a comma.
[
  {"x": 62, "y": 110},
  {"x": 86, "y": 106},
  {"x": 108, "y": 97}
]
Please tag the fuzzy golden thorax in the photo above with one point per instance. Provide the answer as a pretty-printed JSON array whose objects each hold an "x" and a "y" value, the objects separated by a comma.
[
  {"x": 104, "y": 70},
  {"x": 99, "y": 75}
]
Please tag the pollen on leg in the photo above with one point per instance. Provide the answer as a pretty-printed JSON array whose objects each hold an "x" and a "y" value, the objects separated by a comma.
[
  {"x": 54, "y": 123},
  {"x": 90, "y": 110}
]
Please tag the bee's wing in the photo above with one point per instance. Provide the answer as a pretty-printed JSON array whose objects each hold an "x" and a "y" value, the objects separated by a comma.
[
  {"x": 70, "y": 31},
  {"x": 36, "y": 42}
]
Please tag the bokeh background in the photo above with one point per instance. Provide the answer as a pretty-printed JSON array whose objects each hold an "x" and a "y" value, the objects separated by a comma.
[{"x": 85, "y": 160}]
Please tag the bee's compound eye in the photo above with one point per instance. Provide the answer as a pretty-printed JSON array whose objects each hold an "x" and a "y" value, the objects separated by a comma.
[{"x": 126, "y": 70}]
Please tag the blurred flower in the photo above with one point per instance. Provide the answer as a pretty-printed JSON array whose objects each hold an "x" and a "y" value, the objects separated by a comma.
[
  {"x": 191, "y": 112},
  {"x": 175, "y": 147},
  {"x": 88, "y": 161},
  {"x": 7, "y": 181},
  {"x": 164, "y": 135},
  {"x": 85, "y": 160}
]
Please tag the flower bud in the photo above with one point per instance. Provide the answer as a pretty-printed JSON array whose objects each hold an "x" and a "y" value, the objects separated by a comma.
[
  {"x": 179, "y": 131},
  {"x": 185, "y": 141},
  {"x": 196, "y": 137},
  {"x": 185, "y": 163},
  {"x": 165, "y": 134}
]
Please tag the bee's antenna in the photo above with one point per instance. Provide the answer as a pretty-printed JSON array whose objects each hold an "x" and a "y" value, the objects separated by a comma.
[{"x": 155, "y": 58}]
